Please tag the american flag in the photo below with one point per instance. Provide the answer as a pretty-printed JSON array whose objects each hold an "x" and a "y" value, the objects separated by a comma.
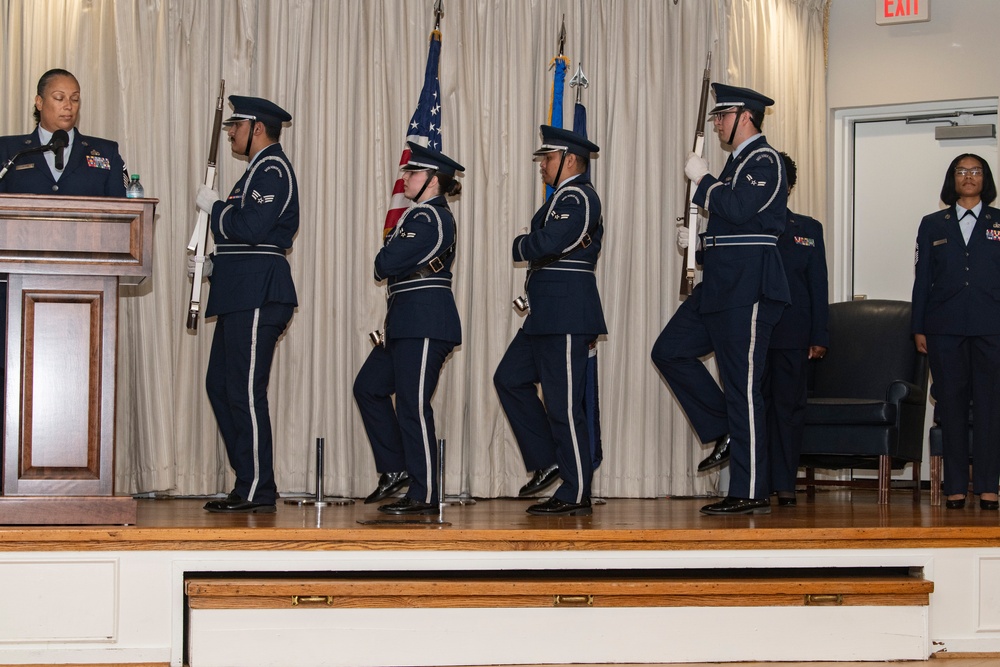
[{"x": 424, "y": 129}]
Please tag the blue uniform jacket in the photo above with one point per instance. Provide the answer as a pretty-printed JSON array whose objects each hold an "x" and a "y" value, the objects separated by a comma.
[
  {"x": 420, "y": 303},
  {"x": 750, "y": 196},
  {"x": 563, "y": 296},
  {"x": 956, "y": 289},
  {"x": 253, "y": 228},
  {"x": 94, "y": 168},
  {"x": 804, "y": 322}
]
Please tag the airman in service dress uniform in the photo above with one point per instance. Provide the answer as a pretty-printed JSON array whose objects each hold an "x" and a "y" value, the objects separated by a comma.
[
  {"x": 421, "y": 329},
  {"x": 565, "y": 317},
  {"x": 800, "y": 335},
  {"x": 956, "y": 321},
  {"x": 86, "y": 167},
  {"x": 742, "y": 295},
  {"x": 253, "y": 296}
]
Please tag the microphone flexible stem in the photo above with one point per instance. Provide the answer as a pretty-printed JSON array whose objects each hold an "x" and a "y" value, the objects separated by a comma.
[{"x": 28, "y": 151}]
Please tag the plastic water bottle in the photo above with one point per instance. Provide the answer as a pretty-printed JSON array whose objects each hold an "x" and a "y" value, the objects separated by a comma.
[{"x": 134, "y": 189}]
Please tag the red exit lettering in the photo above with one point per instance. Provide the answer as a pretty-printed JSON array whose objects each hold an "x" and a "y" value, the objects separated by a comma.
[
  {"x": 901, "y": 11},
  {"x": 903, "y": 7}
]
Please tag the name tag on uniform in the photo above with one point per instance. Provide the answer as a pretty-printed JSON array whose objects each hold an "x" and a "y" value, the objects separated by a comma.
[
  {"x": 940, "y": 242},
  {"x": 98, "y": 162},
  {"x": 802, "y": 240},
  {"x": 22, "y": 167}
]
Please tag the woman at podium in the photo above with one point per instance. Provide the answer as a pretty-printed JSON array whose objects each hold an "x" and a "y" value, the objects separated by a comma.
[{"x": 56, "y": 159}]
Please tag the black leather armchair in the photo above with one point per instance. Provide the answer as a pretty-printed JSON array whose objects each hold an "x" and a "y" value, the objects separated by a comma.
[{"x": 867, "y": 398}]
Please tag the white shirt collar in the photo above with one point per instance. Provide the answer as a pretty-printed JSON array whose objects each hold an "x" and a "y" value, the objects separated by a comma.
[
  {"x": 976, "y": 210},
  {"x": 739, "y": 149},
  {"x": 567, "y": 180},
  {"x": 45, "y": 136}
]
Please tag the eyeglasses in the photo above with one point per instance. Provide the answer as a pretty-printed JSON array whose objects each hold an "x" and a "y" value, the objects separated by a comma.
[
  {"x": 962, "y": 171},
  {"x": 719, "y": 115}
]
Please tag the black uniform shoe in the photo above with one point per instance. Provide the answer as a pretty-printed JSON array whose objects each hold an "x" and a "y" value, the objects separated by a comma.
[
  {"x": 719, "y": 455},
  {"x": 989, "y": 505},
  {"x": 739, "y": 506},
  {"x": 786, "y": 501},
  {"x": 956, "y": 504},
  {"x": 555, "y": 507},
  {"x": 388, "y": 484},
  {"x": 540, "y": 480},
  {"x": 233, "y": 504},
  {"x": 408, "y": 506}
]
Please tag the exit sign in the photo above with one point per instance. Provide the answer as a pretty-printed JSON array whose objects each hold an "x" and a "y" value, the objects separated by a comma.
[{"x": 888, "y": 12}]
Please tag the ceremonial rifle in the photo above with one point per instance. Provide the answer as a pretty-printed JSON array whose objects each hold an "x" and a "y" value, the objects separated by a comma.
[
  {"x": 199, "y": 239},
  {"x": 691, "y": 221}
]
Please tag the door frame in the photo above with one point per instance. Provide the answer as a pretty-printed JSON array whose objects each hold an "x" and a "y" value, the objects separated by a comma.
[{"x": 840, "y": 179}]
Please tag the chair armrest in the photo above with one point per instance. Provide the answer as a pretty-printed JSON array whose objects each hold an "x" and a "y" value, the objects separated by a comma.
[{"x": 901, "y": 391}]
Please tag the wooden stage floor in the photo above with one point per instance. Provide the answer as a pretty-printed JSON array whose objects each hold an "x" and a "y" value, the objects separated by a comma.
[
  {"x": 835, "y": 520},
  {"x": 915, "y": 579}
]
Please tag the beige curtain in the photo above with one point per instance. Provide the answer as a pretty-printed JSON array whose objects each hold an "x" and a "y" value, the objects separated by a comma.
[{"x": 349, "y": 72}]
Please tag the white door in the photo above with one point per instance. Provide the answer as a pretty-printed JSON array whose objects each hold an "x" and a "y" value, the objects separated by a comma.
[{"x": 899, "y": 169}]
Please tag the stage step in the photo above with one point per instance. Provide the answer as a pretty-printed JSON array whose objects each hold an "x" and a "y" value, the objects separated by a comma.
[
  {"x": 356, "y": 593},
  {"x": 458, "y": 618}
]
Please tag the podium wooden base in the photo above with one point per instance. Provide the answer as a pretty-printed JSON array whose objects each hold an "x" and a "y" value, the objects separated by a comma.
[{"x": 67, "y": 510}]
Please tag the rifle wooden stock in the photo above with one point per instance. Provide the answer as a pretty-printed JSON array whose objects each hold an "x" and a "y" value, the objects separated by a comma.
[
  {"x": 690, "y": 219},
  {"x": 199, "y": 239}
]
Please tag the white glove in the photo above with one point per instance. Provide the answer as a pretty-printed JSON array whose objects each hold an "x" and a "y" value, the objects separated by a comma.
[
  {"x": 695, "y": 167},
  {"x": 683, "y": 237},
  {"x": 194, "y": 260},
  {"x": 206, "y": 198}
]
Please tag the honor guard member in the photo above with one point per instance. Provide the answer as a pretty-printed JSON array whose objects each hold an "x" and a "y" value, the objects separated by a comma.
[
  {"x": 421, "y": 330},
  {"x": 252, "y": 294},
  {"x": 564, "y": 318},
  {"x": 742, "y": 295},
  {"x": 956, "y": 321},
  {"x": 800, "y": 335}
]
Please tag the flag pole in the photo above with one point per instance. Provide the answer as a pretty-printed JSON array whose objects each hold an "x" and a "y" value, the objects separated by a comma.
[
  {"x": 424, "y": 127},
  {"x": 579, "y": 81}
]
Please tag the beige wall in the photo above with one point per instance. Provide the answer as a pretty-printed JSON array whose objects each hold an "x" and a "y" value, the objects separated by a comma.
[{"x": 956, "y": 55}]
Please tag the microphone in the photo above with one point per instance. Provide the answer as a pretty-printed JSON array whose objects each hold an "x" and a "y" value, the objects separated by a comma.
[{"x": 59, "y": 141}]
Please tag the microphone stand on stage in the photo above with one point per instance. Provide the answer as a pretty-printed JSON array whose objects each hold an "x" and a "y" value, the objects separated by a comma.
[{"x": 319, "y": 500}]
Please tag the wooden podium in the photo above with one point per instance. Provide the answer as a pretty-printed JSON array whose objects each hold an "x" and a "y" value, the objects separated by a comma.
[{"x": 65, "y": 257}]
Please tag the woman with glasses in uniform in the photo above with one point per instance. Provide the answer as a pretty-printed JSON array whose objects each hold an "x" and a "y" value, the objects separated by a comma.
[{"x": 956, "y": 322}]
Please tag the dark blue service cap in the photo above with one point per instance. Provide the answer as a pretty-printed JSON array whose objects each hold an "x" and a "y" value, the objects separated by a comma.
[
  {"x": 423, "y": 158},
  {"x": 256, "y": 108},
  {"x": 731, "y": 97},
  {"x": 558, "y": 139}
]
